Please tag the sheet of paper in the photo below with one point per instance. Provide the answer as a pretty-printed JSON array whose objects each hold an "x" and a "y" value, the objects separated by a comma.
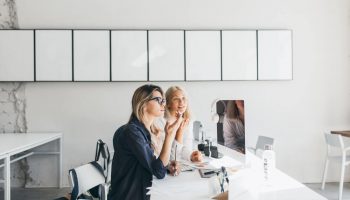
[
  {"x": 213, "y": 163},
  {"x": 224, "y": 161}
]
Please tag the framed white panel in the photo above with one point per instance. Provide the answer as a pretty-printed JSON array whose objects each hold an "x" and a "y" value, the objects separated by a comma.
[
  {"x": 203, "y": 56},
  {"x": 16, "y": 55},
  {"x": 91, "y": 55},
  {"x": 129, "y": 55},
  {"x": 166, "y": 56},
  {"x": 53, "y": 55},
  {"x": 239, "y": 55},
  {"x": 275, "y": 55}
]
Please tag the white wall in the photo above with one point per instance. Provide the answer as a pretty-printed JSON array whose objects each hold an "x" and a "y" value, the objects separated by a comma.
[{"x": 293, "y": 112}]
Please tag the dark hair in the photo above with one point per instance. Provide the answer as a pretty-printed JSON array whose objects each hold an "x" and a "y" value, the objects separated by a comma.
[{"x": 232, "y": 109}]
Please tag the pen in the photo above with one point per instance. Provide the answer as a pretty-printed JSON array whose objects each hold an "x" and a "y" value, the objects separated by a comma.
[
  {"x": 175, "y": 174},
  {"x": 210, "y": 172},
  {"x": 224, "y": 173},
  {"x": 175, "y": 152}
]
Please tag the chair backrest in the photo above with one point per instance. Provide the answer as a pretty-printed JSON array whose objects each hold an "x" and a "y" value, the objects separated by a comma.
[
  {"x": 334, "y": 140},
  {"x": 102, "y": 151},
  {"x": 84, "y": 178},
  {"x": 262, "y": 140}
]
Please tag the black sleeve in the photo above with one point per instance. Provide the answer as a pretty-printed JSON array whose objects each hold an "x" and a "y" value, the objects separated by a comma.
[{"x": 143, "y": 152}]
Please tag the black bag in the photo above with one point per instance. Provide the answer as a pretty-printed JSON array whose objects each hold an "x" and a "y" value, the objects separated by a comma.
[{"x": 103, "y": 152}]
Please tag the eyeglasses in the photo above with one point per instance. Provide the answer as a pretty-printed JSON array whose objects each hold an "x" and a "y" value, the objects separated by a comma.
[{"x": 160, "y": 100}]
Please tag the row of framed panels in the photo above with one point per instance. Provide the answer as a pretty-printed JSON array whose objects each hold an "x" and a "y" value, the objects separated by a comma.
[{"x": 145, "y": 55}]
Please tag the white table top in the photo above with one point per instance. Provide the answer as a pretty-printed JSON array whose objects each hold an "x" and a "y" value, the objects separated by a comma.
[
  {"x": 248, "y": 183},
  {"x": 13, "y": 143},
  {"x": 187, "y": 185},
  {"x": 245, "y": 184}
]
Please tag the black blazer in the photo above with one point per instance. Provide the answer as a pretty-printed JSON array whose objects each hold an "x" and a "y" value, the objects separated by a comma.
[{"x": 134, "y": 162}]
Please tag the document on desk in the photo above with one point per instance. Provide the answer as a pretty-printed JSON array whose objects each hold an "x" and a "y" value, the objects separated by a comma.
[
  {"x": 213, "y": 163},
  {"x": 225, "y": 161}
]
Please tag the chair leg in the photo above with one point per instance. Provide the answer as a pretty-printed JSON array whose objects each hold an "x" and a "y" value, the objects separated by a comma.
[
  {"x": 341, "y": 180},
  {"x": 325, "y": 174}
]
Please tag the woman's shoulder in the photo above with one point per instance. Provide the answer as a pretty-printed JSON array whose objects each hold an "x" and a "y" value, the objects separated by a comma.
[
  {"x": 128, "y": 127},
  {"x": 129, "y": 130}
]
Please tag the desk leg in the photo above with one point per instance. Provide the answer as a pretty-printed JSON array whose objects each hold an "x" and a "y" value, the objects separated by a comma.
[
  {"x": 60, "y": 164},
  {"x": 7, "y": 184}
]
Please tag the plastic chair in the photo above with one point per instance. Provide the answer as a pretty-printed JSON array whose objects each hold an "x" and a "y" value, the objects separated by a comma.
[
  {"x": 86, "y": 177},
  {"x": 261, "y": 142},
  {"x": 336, "y": 141}
]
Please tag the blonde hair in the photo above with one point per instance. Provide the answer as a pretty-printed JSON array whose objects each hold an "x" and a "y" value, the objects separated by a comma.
[
  {"x": 169, "y": 94},
  {"x": 141, "y": 96}
]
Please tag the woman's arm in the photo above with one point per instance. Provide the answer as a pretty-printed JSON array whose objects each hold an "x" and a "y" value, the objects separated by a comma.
[
  {"x": 187, "y": 148},
  {"x": 158, "y": 139},
  {"x": 170, "y": 132},
  {"x": 181, "y": 131}
]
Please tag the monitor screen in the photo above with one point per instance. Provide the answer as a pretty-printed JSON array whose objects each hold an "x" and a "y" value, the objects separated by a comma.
[{"x": 230, "y": 127}]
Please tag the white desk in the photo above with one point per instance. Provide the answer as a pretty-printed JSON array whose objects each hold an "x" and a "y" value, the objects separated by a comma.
[
  {"x": 246, "y": 184},
  {"x": 12, "y": 144}
]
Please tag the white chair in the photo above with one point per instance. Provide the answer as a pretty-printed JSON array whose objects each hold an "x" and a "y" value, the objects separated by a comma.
[
  {"x": 336, "y": 141},
  {"x": 86, "y": 177},
  {"x": 260, "y": 144}
]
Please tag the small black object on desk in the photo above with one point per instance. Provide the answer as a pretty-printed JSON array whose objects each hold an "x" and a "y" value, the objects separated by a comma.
[
  {"x": 213, "y": 151},
  {"x": 201, "y": 147},
  {"x": 202, "y": 144},
  {"x": 207, "y": 173}
]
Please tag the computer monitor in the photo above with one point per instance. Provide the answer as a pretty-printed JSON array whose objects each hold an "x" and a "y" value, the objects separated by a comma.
[{"x": 231, "y": 124}]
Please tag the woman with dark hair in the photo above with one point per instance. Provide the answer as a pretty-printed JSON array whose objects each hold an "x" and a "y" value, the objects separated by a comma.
[
  {"x": 134, "y": 163},
  {"x": 233, "y": 125}
]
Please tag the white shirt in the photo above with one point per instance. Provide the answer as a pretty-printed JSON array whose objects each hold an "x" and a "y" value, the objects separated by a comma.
[{"x": 184, "y": 150}]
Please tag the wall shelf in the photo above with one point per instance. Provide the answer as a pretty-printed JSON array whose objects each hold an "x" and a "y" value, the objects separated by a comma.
[{"x": 111, "y": 55}]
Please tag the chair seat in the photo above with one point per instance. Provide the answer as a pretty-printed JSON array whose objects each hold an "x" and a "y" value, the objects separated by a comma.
[{"x": 84, "y": 178}]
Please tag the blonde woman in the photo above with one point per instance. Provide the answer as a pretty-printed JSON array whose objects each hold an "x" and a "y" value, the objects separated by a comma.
[
  {"x": 134, "y": 163},
  {"x": 177, "y": 106}
]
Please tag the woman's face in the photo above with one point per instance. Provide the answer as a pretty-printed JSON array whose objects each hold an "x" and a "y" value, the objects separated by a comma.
[
  {"x": 178, "y": 102},
  {"x": 156, "y": 105}
]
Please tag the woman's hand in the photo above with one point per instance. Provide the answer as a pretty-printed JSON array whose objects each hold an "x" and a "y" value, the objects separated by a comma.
[
  {"x": 183, "y": 125},
  {"x": 171, "y": 128},
  {"x": 174, "y": 168},
  {"x": 196, "y": 156},
  {"x": 181, "y": 129},
  {"x": 170, "y": 132}
]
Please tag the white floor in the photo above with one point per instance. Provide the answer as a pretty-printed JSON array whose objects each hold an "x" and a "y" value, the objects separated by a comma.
[{"x": 331, "y": 190}]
